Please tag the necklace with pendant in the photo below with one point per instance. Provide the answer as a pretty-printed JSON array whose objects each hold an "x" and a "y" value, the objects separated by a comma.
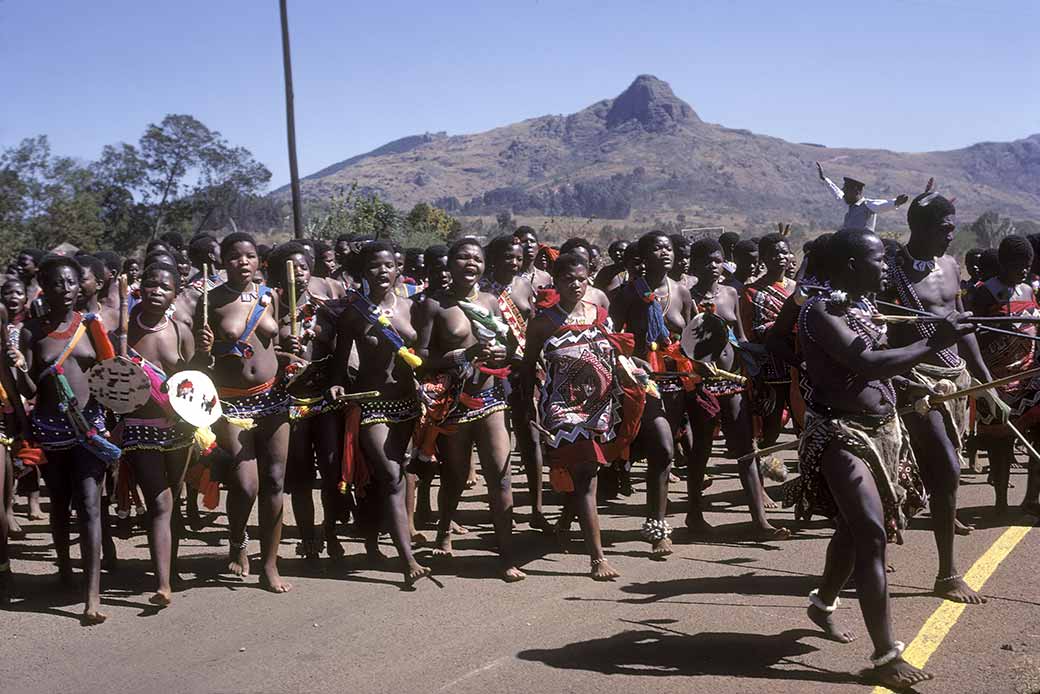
[
  {"x": 246, "y": 297},
  {"x": 389, "y": 311}
]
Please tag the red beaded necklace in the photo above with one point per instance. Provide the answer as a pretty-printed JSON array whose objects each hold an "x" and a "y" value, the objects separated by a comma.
[{"x": 68, "y": 332}]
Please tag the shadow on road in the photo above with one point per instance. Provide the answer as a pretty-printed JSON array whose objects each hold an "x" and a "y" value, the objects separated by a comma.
[{"x": 656, "y": 651}]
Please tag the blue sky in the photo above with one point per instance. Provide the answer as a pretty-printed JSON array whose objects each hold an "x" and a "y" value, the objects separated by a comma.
[{"x": 913, "y": 76}]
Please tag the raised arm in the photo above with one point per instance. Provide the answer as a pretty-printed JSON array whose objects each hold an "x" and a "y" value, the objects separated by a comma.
[
  {"x": 847, "y": 348},
  {"x": 835, "y": 190}
]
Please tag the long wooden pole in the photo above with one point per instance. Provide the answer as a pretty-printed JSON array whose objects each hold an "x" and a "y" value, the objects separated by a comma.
[
  {"x": 290, "y": 280},
  {"x": 124, "y": 313},
  {"x": 290, "y": 123}
]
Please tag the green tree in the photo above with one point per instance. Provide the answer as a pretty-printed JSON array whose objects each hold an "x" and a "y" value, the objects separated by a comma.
[
  {"x": 432, "y": 222},
  {"x": 184, "y": 174},
  {"x": 46, "y": 199}
]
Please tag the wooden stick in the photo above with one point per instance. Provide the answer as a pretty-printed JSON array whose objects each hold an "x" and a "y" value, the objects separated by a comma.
[
  {"x": 205, "y": 293},
  {"x": 917, "y": 312},
  {"x": 361, "y": 395},
  {"x": 883, "y": 318},
  {"x": 971, "y": 390},
  {"x": 1024, "y": 441},
  {"x": 290, "y": 279},
  {"x": 124, "y": 313},
  {"x": 768, "y": 450}
]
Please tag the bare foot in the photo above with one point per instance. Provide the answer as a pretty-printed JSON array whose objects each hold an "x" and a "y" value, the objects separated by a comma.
[
  {"x": 768, "y": 503},
  {"x": 672, "y": 478},
  {"x": 471, "y": 482},
  {"x": 603, "y": 571},
  {"x": 161, "y": 598},
  {"x": 897, "y": 674},
  {"x": 35, "y": 512},
  {"x": 91, "y": 617},
  {"x": 415, "y": 572},
  {"x": 540, "y": 522},
  {"x": 954, "y": 588},
  {"x": 457, "y": 529},
  {"x": 962, "y": 529},
  {"x": 334, "y": 549},
  {"x": 771, "y": 533},
  {"x": 513, "y": 574},
  {"x": 418, "y": 539},
  {"x": 271, "y": 581},
  {"x": 826, "y": 622},
  {"x": 238, "y": 561},
  {"x": 696, "y": 525},
  {"x": 659, "y": 549},
  {"x": 14, "y": 529},
  {"x": 442, "y": 548},
  {"x": 198, "y": 521}
]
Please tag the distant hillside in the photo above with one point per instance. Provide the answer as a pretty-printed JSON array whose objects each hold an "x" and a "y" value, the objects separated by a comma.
[{"x": 647, "y": 152}]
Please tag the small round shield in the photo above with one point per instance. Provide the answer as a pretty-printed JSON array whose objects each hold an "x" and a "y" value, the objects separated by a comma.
[
  {"x": 705, "y": 337},
  {"x": 119, "y": 385},
  {"x": 194, "y": 397}
]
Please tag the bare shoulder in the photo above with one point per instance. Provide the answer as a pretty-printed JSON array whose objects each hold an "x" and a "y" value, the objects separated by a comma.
[
  {"x": 597, "y": 297},
  {"x": 727, "y": 291}
]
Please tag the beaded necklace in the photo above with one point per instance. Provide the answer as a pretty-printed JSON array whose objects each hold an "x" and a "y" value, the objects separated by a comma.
[{"x": 874, "y": 335}]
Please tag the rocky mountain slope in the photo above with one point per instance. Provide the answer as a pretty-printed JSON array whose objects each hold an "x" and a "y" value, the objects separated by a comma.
[{"x": 647, "y": 152}]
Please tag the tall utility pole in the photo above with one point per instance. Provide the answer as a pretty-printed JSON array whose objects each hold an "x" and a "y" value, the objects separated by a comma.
[{"x": 290, "y": 122}]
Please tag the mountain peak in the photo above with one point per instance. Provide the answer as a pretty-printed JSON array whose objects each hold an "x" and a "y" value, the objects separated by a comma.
[{"x": 652, "y": 102}]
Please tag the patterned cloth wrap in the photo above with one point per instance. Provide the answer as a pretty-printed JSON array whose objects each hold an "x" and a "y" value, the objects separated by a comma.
[
  {"x": 474, "y": 407},
  {"x": 954, "y": 412},
  {"x": 590, "y": 413},
  {"x": 382, "y": 411},
  {"x": 1006, "y": 355},
  {"x": 760, "y": 307},
  {"x": 879, "y": 441},
  {"x": 56, "y": 433}
]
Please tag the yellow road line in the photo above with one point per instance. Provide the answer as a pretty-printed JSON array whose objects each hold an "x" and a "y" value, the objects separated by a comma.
[{"x": 945, "y": 616}]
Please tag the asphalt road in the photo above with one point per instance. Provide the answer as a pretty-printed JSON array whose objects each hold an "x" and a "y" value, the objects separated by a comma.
[{"x": 723, "y": 616}]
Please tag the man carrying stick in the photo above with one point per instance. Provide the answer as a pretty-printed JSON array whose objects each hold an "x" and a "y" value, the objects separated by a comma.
[
  {"x": 922, "y": 276},
  {"x": 856, "y": 463}
]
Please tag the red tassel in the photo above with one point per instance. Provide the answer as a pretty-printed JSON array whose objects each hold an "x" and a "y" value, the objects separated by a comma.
[
  {"x": 354, "y": 469},
  {"x": 99, "y": 338}
]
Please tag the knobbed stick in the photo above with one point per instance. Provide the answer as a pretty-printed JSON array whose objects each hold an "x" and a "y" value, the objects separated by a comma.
[
  {"x": 290, "y": 278},
  {"x": 205, "y": 293},
  {"x": 124, "y": 313}
]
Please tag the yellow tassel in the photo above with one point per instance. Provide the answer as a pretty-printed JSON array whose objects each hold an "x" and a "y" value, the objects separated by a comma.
[
  {"x": 204, "y": 439},
  {"x": 653, "y": 346},
  {"x": 410, "y": 358},
  {"x": 240, "y": 422},
  {"x": 342, "y": 487},
  {"x": 384, "y": 321}
]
